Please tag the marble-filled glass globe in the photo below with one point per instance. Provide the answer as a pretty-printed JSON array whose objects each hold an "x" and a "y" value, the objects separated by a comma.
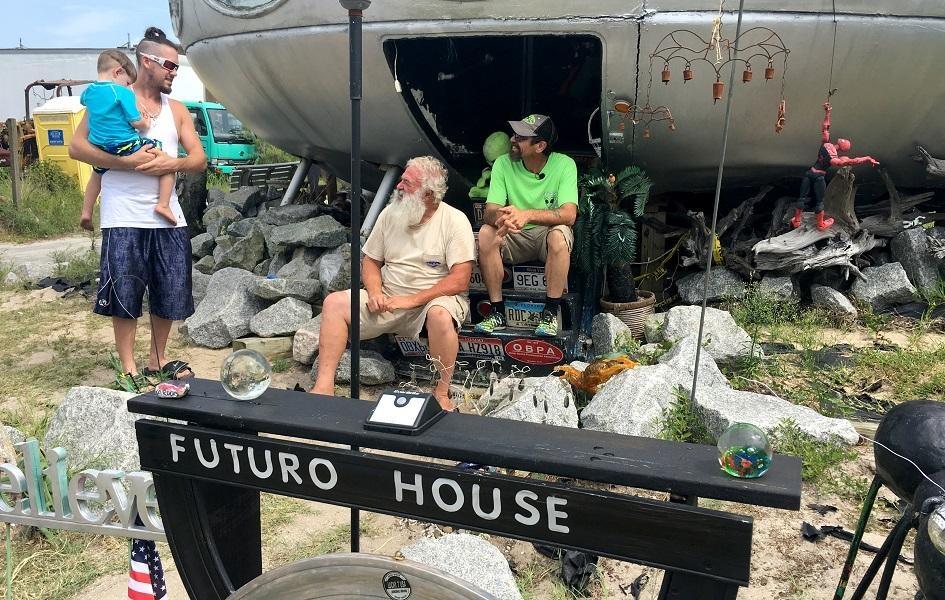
[
  {"x": 744, "y": 451},
  {"x": 936, "y": 526},
  {"x": 245, "y": 374}
]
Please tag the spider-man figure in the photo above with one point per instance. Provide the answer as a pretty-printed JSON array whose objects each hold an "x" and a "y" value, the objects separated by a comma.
[{"x": 829, "y": 156}]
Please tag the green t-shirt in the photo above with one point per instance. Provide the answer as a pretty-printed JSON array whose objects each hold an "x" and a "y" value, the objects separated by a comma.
[{"x": 513, "y": 184}]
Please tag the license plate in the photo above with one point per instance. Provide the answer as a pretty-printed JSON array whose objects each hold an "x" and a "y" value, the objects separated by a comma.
[
  {"x": 411, "y": 347},
  {"x": 525, "y": 314},
  {"x": 476, "y": 243},
  {"x": 481, "y": 347},
  {"x": 473, "y": 347},
  {"x": 479, "y": 210},
  {"x": 476, "y": 282},
  {"x": 529, "y": 279}
]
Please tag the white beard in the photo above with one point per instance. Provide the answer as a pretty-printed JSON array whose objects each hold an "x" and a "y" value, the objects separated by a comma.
[{"x": 408, "y": 208}]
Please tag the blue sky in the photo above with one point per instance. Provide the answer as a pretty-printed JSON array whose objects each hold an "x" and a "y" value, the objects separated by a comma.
[{"x": 80, "y": 23}]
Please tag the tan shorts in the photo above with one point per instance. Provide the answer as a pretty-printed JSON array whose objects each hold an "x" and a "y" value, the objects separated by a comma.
[
  {"x": 408, "y": 322},
  {"x": 532, "y": 244}
]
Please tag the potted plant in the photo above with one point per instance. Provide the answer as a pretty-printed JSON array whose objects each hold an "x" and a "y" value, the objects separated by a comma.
[{"x": 610, "y": 208}]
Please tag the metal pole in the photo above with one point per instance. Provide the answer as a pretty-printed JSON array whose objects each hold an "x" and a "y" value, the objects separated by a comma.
[
  {"x": 715, "y": 207},
  {"x": 380, "y": 199},
  {"x": 355, "y": 8},
  {"x": 16, "y": 158},
  {"x": 297, "y": 178}
]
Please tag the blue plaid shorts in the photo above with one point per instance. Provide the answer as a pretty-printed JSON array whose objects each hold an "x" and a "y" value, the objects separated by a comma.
[
  {"x": 135, "y": 260},
  {"x": 125, "y": 149}
]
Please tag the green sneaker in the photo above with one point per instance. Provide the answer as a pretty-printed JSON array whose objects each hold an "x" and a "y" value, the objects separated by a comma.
[
  {"x": 547, "y": 324},
  {"x": 494, "y": 322}
]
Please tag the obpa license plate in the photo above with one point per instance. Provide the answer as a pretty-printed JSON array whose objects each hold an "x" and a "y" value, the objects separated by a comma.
[{"x": 525, "y": 314}]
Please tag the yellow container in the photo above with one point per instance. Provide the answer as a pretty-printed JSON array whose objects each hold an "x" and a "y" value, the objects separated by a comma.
[{"x": 56, "y": 122}]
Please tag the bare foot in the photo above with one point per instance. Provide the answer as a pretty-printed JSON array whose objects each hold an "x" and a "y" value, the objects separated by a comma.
[
  {"x": 325, "y": 390},
  {"x": 85, "y": 222},
  {"x": 444, "y": 399},
  {"x": 165, "y": 211}
]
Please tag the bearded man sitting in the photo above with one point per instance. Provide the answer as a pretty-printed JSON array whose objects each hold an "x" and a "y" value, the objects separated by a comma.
[{"x": 416, "y": 268}]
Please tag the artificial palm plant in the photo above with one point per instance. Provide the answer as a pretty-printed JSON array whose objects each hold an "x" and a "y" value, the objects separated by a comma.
[{"x": 606, "y": 232}]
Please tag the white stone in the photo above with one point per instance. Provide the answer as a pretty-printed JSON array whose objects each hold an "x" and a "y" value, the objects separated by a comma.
[
  {"x": 95, "y": 427},
  {"x": 469, "y": 558},
  {"x": 722, "y": 337},
  {"x": 305, "y": 342},
  {"x": 548, "y": 400}
]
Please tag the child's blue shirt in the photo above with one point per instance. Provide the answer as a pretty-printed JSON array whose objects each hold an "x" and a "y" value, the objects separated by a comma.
[{"x": 111, "y": 108}]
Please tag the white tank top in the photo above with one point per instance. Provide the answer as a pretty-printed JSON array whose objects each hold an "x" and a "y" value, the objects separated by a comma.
[{"x": 129, "y": 197}]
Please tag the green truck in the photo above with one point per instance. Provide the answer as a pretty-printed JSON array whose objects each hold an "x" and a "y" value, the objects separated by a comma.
[{"x": 225, "y": 140}]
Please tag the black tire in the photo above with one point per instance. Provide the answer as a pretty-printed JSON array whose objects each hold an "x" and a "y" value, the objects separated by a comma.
[{"x": 192, "y": 195}]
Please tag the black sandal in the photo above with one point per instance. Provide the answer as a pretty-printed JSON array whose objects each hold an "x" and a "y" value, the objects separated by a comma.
[{"x": 170, "y": 371}]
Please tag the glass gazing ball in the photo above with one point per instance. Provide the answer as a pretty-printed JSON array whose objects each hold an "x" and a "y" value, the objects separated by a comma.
[
  {"x": 744, "y": 451},
  {"x": 245, "y": 374},
  {"x": 936, "y": 526}
]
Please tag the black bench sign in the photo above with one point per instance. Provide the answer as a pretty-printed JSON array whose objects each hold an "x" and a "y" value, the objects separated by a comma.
[{"x": 208, "y": 476}]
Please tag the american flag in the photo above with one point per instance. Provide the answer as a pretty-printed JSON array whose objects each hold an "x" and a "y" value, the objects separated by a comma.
[{"x": 146, "y": 575}]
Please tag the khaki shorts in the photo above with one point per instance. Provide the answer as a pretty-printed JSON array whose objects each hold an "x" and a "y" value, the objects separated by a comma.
[
  {"x": 408, "y": 322},
  {"x": 532, "y": 244}
]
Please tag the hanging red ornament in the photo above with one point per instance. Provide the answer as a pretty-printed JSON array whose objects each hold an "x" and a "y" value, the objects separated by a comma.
[
  {"x": 717, "y": 89},
  {"x": 769, "y": 71}
]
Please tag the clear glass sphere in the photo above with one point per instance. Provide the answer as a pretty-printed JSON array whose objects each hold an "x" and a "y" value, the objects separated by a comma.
[
  {"x": 245, "y": 374},
  {"x": 744, "y": 451},
  {"x": 936, "y": 526}
]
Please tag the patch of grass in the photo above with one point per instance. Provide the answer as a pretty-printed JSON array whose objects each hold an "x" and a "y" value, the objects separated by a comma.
[
  {"x": 267, "y": 154},
  {"x": 62, "y": 563},
  {"x": 681, "y": 423},
  {"x": 49, "y": 206},
  {"x": 821, "y": 460},
  {"x": 328, "y": 541},
  {"x": 281, "y": 365},
  {"x": 913, "y": 373},
  {"x": 759, "y": 307},
  {"x": 872, "y": 321},
  {"x": 76, "y": 265},
  {"x": 218, "y": 180}
]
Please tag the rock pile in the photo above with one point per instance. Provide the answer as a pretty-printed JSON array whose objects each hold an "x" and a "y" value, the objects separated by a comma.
[{"x": 261, "y": 268}]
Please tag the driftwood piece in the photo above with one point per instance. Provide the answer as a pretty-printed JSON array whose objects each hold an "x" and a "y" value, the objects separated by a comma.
[
  {"x": 699, "y": 242},
  {"x": 839, "y": 198},
  {"x": 779, "y": 214},
  {"x": 937, "y": 247},
  {"x": 796, "y": 250},
  {"x": 906, "y": 203},
  {"x": 933, "y": 166},
  {"x": 747, "y": 209}
]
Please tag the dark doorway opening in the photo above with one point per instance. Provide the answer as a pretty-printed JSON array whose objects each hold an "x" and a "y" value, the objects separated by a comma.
[{"x": 461, "y": 89}]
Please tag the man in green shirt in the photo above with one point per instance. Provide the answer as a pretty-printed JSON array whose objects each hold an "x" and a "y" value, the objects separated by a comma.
[{"x": 531, "y": 206}]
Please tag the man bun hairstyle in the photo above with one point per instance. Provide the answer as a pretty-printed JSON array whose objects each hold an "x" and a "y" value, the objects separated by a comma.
[
  {"x": 112, "y": 58},
  {"x": 153, "y": 37}
]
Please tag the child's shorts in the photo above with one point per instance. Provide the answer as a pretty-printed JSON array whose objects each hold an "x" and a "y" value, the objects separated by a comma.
[{"x": 124, "y": 149}]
